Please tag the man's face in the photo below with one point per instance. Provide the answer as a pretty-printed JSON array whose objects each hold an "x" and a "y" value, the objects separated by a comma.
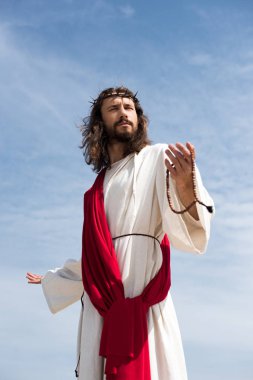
[{"x": 120, "y": 118}]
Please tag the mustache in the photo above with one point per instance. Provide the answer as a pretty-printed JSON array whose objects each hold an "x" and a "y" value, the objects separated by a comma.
[{"x": 121, "y": 120}]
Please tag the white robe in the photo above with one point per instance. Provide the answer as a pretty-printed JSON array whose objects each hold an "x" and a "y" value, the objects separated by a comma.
[{"x": 136, "y": 202}]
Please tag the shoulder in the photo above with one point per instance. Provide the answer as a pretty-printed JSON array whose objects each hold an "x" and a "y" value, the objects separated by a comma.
[
  {"x": 152, "y": 151},
  {"x": 151, "y": 157}
]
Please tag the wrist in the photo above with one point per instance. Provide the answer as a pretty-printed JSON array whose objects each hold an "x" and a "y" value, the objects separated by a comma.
[{"x": 186, "y": 188}]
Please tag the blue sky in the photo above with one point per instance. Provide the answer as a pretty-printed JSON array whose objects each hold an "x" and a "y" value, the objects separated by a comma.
[{"x": 192, "y": 65}]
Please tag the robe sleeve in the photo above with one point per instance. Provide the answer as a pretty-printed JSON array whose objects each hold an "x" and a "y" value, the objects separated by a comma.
[
  {"x": 63, "y": 286},
  {"x": 185, "y": 233}
]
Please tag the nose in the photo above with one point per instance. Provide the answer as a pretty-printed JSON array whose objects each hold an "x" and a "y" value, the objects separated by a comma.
[{"x": 123, "y": 111}]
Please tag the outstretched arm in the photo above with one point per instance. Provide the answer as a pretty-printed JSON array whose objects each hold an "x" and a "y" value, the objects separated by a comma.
[{"x": 61, "y": 286}]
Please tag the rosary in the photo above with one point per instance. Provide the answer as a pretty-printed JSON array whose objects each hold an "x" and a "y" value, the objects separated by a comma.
[{"x": 196, "y": 199}]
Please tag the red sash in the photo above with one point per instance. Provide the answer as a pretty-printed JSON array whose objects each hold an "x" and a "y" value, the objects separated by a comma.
[{"x": 124, "y": 339}]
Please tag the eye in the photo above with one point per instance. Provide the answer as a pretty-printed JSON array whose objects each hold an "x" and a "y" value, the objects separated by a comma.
[{"x": 113, "y": 108}]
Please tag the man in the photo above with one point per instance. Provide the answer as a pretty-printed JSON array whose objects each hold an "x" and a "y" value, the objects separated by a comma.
[{"x": 147, "y": 192}]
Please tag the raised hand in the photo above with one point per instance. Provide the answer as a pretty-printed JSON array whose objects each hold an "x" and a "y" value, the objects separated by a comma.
[
  {"x": 34, "y": 278},
  {"x": 179, "y": 164}
]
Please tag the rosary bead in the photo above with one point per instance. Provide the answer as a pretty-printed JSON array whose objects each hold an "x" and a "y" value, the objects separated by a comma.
[{"x": 196, "y": 200}]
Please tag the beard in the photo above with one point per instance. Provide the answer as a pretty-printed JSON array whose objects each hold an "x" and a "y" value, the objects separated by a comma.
[
  {"x": 115, "y": 135},
  {"x": 122, "y": 137}
]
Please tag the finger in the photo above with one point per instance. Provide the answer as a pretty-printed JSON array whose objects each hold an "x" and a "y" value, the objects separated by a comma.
[
  {"x": 34, "y": 278},
  {"x": 191, "y": 148},
  {"x": 30, "y": 281},
  {"x": 34, "y": 282},
  {"x": 171, "y": 168},
  {"x": 173, "y": 160},
  {"x": 180, "y": 161},
  {"x": 170, "y": 165},
  {"x": 29, "y": 275},
  {"x": 184, "y": 150},
  {"x": 173, "y": 154},
  {"x": 33, "y": 275}
]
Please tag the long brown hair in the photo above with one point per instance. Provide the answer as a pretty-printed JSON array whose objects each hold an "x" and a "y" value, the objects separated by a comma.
[{"x": 95, "y": 139}]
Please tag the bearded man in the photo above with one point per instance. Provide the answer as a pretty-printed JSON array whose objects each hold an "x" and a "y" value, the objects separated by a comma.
[{"x": 144, "y": 196}]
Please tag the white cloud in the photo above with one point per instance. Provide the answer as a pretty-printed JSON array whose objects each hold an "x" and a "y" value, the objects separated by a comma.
[
  {"x": 200, "y": 59},
  {"x": 127, "y": 10}
]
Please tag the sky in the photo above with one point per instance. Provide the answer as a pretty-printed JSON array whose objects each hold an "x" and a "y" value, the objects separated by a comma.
[{"x": 192, "y": 65}]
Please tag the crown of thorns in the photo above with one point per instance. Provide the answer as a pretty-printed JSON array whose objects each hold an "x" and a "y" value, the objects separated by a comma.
[{"x": 116, "y": 93}]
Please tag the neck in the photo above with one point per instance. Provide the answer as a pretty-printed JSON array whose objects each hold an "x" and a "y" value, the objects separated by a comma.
[{"x": 116, "y": 151}]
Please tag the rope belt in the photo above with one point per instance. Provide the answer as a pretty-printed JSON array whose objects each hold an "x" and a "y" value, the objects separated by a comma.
[{"x": 121, "y": 236}]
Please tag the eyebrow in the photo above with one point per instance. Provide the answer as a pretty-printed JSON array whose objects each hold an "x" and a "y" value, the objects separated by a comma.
[
  {"x": 112, "y": 106},
  {"x": 118, "y": 103}
]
